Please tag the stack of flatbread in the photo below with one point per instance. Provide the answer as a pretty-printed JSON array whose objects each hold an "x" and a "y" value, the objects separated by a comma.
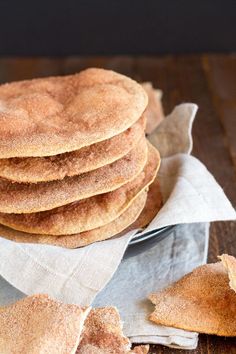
[{"x": 75, "y": 166}]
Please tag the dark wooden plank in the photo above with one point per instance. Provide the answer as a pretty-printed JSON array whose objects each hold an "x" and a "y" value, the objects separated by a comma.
[
  {"x": 123, "y": 65},
  {"x": 206, "y": 345},
  {"x": 221, "y": 75},
  {"x": 14, "y": 69}
]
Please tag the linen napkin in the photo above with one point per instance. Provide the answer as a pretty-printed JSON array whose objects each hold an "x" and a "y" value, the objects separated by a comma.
[
  {"x": 190, "y": 194},
  {"x": 140, "y": 273},
  {"x": 147, "y": 268}
]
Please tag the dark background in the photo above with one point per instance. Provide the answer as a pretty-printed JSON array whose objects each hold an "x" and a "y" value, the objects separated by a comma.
[{"x": 85, "y": 27}]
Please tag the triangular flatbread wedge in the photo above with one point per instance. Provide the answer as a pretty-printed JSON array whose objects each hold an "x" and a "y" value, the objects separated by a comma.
[
  {"x": 201, "y": 301},
  {"x": 38, "y": 324}
]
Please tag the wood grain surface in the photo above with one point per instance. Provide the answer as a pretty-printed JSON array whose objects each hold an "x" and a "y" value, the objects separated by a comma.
[{"x": 209, "y": 81}]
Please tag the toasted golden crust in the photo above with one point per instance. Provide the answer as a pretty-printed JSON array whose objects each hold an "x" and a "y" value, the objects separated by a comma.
[
  {"x": 152, "y": 206},
  {"x": 28, "y": 198},
  {"x": 50, "y": 116},
  {"x": 154, "y": 109},
  {"x": 38, "y": 324},
  {"x": 201, "y": 301},
  {"x": 229, "y": 262},
  {"x": 84, "y": 238},
  {"x": 88, "y": 213},
  {"x": 44, "y": 169}
]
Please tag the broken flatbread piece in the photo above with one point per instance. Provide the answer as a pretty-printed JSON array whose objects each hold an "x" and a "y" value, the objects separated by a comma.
[
  {"x": 229, "y": 262},
  {"x": 103, "y": 334},
  {"x": 201, "y": 301},
  {"x": 38, "y": 324}
]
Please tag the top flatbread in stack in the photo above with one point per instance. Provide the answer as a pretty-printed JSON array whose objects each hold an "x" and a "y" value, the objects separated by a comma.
[
  {"x": 75, "y": 139},
  {"x": 50, "y": 116}
]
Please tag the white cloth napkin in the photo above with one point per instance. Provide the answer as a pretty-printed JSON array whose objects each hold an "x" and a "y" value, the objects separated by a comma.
[
  {"x": 190, "y": 193},
  {"x": 150, "y": 267},
  {"x": 183, "y": 250}
]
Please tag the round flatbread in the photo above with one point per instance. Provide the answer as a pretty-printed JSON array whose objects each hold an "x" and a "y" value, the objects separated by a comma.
[
  {"x": 50, "y": 116},
  {"x": 28, "y": 198},
  {"x": 88, "y": 158},
  {"x": 84, "y": 238},
  {"x": 87, "y": 214}
]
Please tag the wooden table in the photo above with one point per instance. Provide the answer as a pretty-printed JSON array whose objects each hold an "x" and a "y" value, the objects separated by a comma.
[{"x": 209, "y": 81}]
